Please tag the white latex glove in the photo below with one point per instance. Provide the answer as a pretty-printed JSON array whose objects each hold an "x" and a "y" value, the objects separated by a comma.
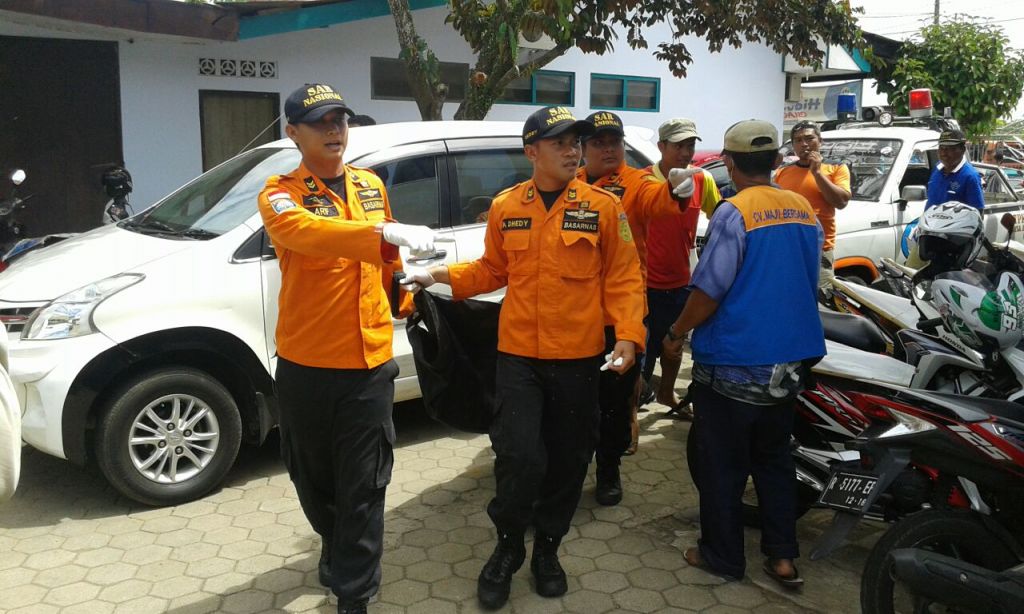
[
  {"x": 416, "y": 280},
  {"x": 609, "y": 363},
  {"x": 419, "y": 239},
  {"x": 682, "y": 181}
]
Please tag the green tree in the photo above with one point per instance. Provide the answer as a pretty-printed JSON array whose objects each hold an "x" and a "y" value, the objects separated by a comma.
[
  {"x": 492, "y": 29},
  {"x": 968, "y": 66}
]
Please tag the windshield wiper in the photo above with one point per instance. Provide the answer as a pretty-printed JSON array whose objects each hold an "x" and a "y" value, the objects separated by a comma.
[
  {"x": 151, "y": 224},
  {"x": 198, "y": 233}
]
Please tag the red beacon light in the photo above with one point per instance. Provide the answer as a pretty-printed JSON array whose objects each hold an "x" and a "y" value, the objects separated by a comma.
[{"x": 921, "y": 102}]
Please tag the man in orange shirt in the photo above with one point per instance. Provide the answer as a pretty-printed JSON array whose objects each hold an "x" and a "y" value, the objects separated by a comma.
[
  {"x": 565, "y": 251},
  {"x": 330, "y": 226},
  {"x": 644, "y": 198},
  {"x": 668, "y": 261},
  {"x": 826, "y": 186}
]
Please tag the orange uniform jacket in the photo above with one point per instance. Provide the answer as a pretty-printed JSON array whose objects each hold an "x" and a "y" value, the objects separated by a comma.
[
  {"x": 643, "y": 198},
  {"x": 333, "y": 308},
  {"x": 560, "y": 267}
]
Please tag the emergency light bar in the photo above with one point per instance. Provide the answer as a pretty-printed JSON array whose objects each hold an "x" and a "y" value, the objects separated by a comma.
[{"x": 921, "y": 102}]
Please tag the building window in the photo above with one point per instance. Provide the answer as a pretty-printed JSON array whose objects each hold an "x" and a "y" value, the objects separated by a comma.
[
  {"x": 624, "y": 93},
  {"x": 542, "y": 87},
  {"x": 388, "y": 80}
]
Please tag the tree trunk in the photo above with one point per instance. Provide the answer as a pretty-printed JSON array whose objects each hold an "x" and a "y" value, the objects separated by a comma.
[
  {"x": 422, "y": 67},
  {"x": 480, "y": 98}
]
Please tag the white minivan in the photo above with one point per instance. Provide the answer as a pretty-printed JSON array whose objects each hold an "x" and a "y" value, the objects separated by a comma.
[{"x": 149, "y": 345}]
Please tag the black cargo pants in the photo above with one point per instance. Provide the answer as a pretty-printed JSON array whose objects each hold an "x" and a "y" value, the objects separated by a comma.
[
  {"x": 618, "y": 394},
  {"x": 336, "y": 441},
  {"x": 543, "y": 436}
]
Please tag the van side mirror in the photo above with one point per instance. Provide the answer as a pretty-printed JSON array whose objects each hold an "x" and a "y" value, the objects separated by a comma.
[{"x": 911, "y": 192}]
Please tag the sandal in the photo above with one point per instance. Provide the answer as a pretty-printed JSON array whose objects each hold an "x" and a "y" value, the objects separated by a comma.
[
  {"x": 792, "y": 582},
  {"x": 682, "y": 410}
]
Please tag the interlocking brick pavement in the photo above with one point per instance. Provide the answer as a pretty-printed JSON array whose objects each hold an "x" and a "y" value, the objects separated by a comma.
[{"x": 69, "y": 543}]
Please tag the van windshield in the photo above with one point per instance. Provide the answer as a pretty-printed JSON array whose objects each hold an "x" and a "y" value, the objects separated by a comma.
[
  {"x": 218, "y": 200},
  {"x": 869, "y": 161}
]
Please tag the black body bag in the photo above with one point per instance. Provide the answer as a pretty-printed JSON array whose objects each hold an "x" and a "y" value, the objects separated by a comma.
[{"x": 455, "y": 348}]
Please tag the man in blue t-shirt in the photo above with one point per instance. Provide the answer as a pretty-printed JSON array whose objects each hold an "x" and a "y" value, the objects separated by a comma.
[{"x": 954, "y": 178}]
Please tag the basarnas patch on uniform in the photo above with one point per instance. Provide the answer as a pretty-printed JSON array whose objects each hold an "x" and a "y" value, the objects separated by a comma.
[
  {"x": 372, "y": 205},
  {"x": 368, "y": 194},
  {"x": 624, "y": 232},
  {"x": 516, "y": 223},
  {"x": 617, "y": 190},
  {"x": 580, "y": 220}
]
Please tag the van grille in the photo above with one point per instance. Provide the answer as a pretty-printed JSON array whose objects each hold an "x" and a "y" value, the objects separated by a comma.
[{"x": 14, "y": 318}]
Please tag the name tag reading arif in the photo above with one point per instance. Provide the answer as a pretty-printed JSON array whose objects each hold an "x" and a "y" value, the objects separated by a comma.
[
  {"x": 580, "y": 220},
  {"x": 516, "y": 223}
]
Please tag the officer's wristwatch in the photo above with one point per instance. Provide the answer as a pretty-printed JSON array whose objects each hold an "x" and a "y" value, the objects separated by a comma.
[{"x": 672, "y": 336}]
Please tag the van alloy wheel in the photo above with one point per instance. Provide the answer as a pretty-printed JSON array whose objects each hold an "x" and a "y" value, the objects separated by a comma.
[
  {"x": 168, "y": 436},
  {"x": 174, "y": 438}
]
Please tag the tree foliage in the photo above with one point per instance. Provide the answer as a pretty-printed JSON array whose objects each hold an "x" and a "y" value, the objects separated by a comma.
[
  {"x": 968, "y": 66},
  {"x": 492, "y": 29}
]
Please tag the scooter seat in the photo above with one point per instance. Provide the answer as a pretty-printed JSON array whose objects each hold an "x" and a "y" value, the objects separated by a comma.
[{"x": 852, "y": 330}]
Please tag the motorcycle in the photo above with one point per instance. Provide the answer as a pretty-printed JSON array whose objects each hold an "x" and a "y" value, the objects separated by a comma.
[
  {"x": 966, "y": 551},
  {"x": 117, "y": 183},
  {"x": 10, "y": 229}
]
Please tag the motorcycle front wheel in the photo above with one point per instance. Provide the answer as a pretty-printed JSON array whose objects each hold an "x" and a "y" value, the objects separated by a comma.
[{"x": 955, "y": 533}]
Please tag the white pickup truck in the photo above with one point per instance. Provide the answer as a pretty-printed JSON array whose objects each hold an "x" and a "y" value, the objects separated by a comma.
[{"x": 889, "y": 169}]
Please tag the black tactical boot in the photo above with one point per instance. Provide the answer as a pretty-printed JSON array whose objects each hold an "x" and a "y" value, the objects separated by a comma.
[
  {"x": 324, "y": 567},
  {"x": 352, "y": 607},
  {"x": 496, "y": 577},
  {"x": 609, "y": 486},
  {"x": 547, "y": 571}
]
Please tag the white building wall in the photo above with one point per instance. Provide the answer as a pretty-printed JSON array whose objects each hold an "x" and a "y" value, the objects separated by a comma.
[{"x": 160, "y": 85}]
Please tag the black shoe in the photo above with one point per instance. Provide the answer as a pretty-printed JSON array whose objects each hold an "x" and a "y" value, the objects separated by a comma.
[
  {"x": 495, "y": 580},
  {"x": 352, "y": 607},
  {"x": 324, "y": 567},
  {"x": 547, "y": 571},
  {"x": 609, "y": 486}
]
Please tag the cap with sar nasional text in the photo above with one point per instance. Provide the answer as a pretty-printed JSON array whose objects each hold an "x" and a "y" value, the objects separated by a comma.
[
  {"x": 553, "y": 121},
  {"x": 604, "y": 121},
  {"x": 751, "y": 136},
  {"x": 311, "y": 102}
]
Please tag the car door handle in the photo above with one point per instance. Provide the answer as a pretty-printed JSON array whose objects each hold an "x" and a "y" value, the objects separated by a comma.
[
  {"x": 440, "y": 254},
  {"x": 879, "y": 224}
]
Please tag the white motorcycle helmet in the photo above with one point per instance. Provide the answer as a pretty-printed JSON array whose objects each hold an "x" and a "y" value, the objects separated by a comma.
[
  {"x": 986, "y": 318},
  {"x": 950, "y": 235}
]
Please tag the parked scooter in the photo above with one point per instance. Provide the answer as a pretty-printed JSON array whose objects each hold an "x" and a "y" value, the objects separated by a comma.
[
  {"x": 966, "y": 552},
  {"x": 12, "y": 230}
]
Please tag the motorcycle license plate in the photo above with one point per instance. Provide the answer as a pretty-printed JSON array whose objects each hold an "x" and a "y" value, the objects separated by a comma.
[{"x": 848, "y": 491}]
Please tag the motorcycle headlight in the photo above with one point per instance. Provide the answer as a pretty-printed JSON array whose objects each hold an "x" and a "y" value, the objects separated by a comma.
[{"x": 71, "y": 315}]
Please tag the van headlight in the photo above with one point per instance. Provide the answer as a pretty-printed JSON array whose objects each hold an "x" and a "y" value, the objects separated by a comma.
[{"x": 71, "y": 315}]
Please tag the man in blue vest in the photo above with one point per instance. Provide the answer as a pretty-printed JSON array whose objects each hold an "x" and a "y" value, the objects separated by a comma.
[{"x": 754, "y": 314}]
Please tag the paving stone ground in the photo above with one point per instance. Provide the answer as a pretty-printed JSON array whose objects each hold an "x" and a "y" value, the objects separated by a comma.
[{"x": 70, "y": 543}]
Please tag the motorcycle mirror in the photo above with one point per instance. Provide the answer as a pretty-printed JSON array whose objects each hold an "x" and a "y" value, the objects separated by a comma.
[
  {"x": 1008, "y": 221},
  {"x": 17, "y": 177}
]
